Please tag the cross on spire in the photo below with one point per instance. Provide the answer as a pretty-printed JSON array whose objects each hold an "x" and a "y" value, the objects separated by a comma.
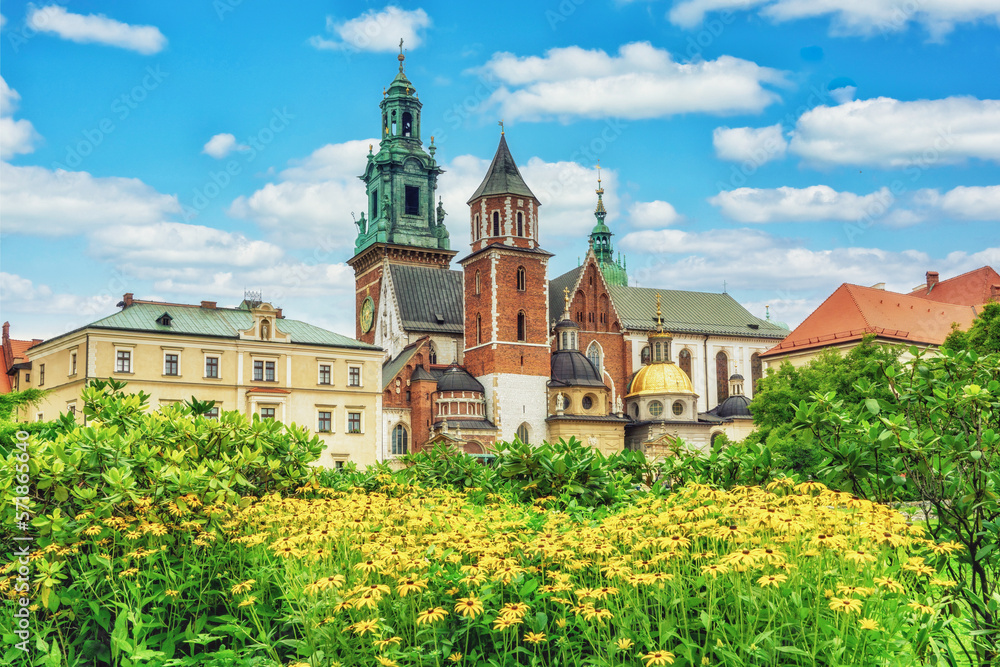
[{"x": 401, "y": 57}]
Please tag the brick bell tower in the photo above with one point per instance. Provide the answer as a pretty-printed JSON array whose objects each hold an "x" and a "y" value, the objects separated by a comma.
[
  {"x": 401, "y": 225},
  {"x": 506, "y": 301}
]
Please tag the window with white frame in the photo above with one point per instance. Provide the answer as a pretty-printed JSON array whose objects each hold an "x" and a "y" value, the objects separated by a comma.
[
  {"x": 41, "y": 374},
  {"x": 213, "y": 413},
  {"x": 267, "y": 412},
  {"x": 72, "y": 362},
  {"x": 325, "y": 376},
  {"x": 171, "y": 363},
  {"x": 212, "y": 367},
  {"x": 354, "y": 423},
  {"x": 263, "y": 371},
  {"x": 354, "y": 376},
  {"x": 324, "y": 421},
  {"x": 123, "y": 361}
]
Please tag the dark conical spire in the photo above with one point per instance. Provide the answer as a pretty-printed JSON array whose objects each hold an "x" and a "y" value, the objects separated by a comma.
[{"x": 503, "y": 177}]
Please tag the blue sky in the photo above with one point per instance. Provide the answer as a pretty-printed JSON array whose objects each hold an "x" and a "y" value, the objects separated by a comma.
[{"x": 190, "y": 151}]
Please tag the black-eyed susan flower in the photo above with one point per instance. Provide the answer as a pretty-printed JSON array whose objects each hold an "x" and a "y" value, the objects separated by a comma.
[
  {"x": 431, "y": 615},
  {"x": 361, "y": 628},
  {"x": 470, "y": 607},
  {"x": 623, "y": 644},
  {"x": 868, "y": 624},
  {"x": 386, "y": 662},
  {"x": 847, "y": 605},
  {"x": 654, "y": 658},
  {"x": 535, "y": 637},
  {"x": 455, "y": 657},
  {"x": 772, "y": 580},
  {"x": 922, "y": 608},
  {"x": 382, "y": 644}
]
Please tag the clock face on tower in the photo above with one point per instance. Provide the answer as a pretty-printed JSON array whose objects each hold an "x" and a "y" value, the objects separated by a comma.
[{"x": 367, "y": 315}]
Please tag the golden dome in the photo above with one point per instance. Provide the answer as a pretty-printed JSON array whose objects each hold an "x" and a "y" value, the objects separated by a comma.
[{"x": 660, "y": 379}]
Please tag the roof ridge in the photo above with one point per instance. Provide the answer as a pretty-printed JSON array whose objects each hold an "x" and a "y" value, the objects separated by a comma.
[{"x": 861, "y": 312}]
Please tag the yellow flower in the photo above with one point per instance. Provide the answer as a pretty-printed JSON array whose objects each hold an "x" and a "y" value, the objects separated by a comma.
[
  {"x": 714, "y": 570},
  {"x": 535, "y": 637},
  {"x": 170, "y": 592},
  {"x": 407, "y": 586},
  {"x": 386, "y": 662},
  {"x": 658, "y": 658},
  {"x": 772, "y": 580},
  {"x": 385, "y": 643},
  {"x": 623, "y": 644},
  {"x": 505, "y": 623},
  {"x": 514, "y": 610},
  {"x": 889, "y": 583},
  {"x": 945, "y": 583},
  {"x": 248, "y": 601},
  {"x": 243, "y": 587},
  {"x": 431, "y": 615},
  {"x": 849, "y": 605},
  {"x": 364, "y": 627},
  {"x": 455, "y": 657},
  {"x": 916, "y": 606},
  {"x": 868, "y": 624},
  {"x": 860, "y": 557},
  {"x": 469, "y": 607}
]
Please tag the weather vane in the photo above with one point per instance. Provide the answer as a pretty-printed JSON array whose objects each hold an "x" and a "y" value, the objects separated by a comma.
[{"x": 501, "y": 125}]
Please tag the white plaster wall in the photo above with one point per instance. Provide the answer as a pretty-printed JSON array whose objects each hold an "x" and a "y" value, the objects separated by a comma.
[{"x": 514, "y": 399}]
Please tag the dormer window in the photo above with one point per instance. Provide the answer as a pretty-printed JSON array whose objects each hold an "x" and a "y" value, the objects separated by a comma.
[{"x": 164, "y": 320}]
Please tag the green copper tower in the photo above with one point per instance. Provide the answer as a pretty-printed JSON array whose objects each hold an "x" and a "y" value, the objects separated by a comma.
[
  {"x": 401, "y": 178},
  {"x": 600, "y": 240}
]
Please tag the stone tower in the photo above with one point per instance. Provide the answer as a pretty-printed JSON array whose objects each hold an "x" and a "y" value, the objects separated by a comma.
[
  {"x": 506, "y": 301},
  {"x": 600, "y": 240},
  {"x": 403, "y": 224}
]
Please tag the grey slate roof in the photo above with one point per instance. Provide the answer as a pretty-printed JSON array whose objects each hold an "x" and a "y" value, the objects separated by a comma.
[
  {"x": 471, "y": 424},
  {"x": 392, "y": 367},
  {"x": 502, "y": 178},
  {"x": 430, "y": 299},
  {"x": 218, "y": 322},
  {"x": 683, "y": 311}
]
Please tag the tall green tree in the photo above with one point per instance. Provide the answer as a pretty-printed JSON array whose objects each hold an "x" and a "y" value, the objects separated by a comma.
[
  {"x": 983, "y": 336},
  {"x": 778, "y": 394}
]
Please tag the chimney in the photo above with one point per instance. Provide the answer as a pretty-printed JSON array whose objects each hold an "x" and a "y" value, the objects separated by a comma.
[
  {"x": 278, "y": 314},
  {"x": 36, "y": 341},
  {"x": 994, "y": 296},
  {"x": 932, "y": 279},
  {"x": 210, "y": 305},
  {"x": 127, "y": 299},
  {"x": 6, "y": 331}
]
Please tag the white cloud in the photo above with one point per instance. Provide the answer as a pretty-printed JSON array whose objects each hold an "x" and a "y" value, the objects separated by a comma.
[
  {"x": 376, "y": 31},
  {"x": 50, "y": 312},
  {"x": 96, "y": 28},
  {"x": 16, "y": 136},
  {"x": 298, "y": 206},
  {"x": 222, "y": 145},
  {"x": 851, "y": 17},
  {"x": 891, "y": 133},
  {"x": 786, "y": 204},
  {"x": 653, "y": 214},
  {"x": 641, "y": 81},
  {"x": 178, "y": 244},
  {"x": 3, "y": 21},
  {"x": 844, "y": 94},
  {"x": 41, "y": 202},
  {"x": 757, "y": 145},
  {"x": 822, "y": 203}
]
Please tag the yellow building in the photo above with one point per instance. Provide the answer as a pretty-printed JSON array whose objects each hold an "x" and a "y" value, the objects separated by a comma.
[{"x": 250, "y": 359}]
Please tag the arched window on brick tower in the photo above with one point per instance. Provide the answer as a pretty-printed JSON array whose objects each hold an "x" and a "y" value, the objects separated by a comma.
[
  {"x": 722, "y": 376},
  {"x": 522, "y": 326},
  {"x": 432, "y": 355},
  {"x": 756, "y": 371},
  {"x": 520, "y": 277},
  {"x": 520, "y": 223},
  {"x": 684, "y": 361},
  {"x": 479, "y": 287},
  {"x": 477, "y": 231},
  {"x": 496, "y": 223},
  {"x": 479, "y": 329}
]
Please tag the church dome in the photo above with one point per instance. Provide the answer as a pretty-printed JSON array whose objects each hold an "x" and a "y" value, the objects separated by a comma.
[
  {"x": 457, "y": 378},
  {"x": 571, "y": 368},
  {"x": 664, "y": 378},
  {"x": 734, "y": 406}
]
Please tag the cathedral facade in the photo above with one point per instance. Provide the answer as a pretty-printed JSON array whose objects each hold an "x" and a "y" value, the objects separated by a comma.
[{"x": 492, "y": 349}]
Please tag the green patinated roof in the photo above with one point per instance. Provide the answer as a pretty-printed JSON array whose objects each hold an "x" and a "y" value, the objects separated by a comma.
[
  {"x": 683, "y": 311},
  {"x": 218, "y": 322},
  {"x": 503, "y": 178},
  {"x": 430, "y": 299}
]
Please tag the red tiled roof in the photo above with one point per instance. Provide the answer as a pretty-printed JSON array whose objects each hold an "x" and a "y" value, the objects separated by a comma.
[
  {"x": 16, "y": 354},
  {"x": 968, "y": 289},
  {"x": 853, "y": 311},
  {"x": 267, "y": 390}
]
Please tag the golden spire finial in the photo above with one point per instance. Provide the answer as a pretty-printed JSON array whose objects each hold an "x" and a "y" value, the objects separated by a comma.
[
  {"x": 501, "y": 126},
  {"x": 566, "y": 297},
  {"x": 400, "y": 57},
  {"x": 659, "y": 319},
  {"x": 599, "y": 188}
]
